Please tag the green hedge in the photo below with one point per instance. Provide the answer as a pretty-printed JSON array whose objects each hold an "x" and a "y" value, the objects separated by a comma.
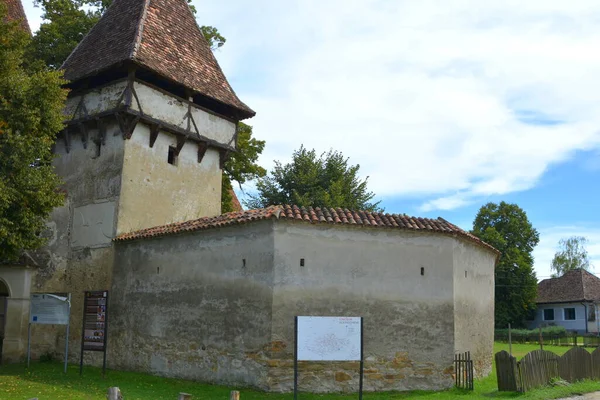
[{"x": 547, "y": 331}]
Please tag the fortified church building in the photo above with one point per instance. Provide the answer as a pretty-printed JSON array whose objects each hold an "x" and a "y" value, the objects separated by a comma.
[{"x": 150, "y": 120}]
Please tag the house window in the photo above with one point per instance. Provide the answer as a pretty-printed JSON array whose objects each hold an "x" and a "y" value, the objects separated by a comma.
[
  {"x": 591, "y": 313},
  {"x": 569, "y": 314},
  {"x": 549, "y": 314}
]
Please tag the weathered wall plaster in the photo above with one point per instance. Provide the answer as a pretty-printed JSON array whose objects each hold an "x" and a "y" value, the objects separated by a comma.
[
  {"x": 155, "y": 192},
  {"x": 474, "y": 304},
  {"x": 95, "y": 101},
  {"x": 173, "y": 110},
  {"x": 219, "y": 305},
  {"x": 376, "y": 274},
  {"x": 18, "y": 281},
  {"x": 195, "y": 306}
]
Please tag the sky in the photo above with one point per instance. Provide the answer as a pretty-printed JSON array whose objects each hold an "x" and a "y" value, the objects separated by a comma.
[{"x": 446, "y": 106}]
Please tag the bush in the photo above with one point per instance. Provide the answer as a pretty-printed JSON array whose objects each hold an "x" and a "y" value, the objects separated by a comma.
[{"x": 547, "y": 331}]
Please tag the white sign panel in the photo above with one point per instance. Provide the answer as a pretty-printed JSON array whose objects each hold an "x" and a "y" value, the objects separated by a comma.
[
  {"x": 329, "y": 339},
  {"x": 49, "y": 309}
]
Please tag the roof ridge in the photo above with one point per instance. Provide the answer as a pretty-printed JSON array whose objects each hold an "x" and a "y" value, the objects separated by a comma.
[
  {"x": 139, "y": 30},
  {"x": 312, "y": 215}
]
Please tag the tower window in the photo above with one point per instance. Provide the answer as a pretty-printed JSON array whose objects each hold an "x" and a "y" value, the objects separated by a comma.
[{"x": 172, "y": 158}]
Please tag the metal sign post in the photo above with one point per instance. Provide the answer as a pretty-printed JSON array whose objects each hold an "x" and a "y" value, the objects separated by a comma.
[
  {"x": 95, "y": 325},
  {"x": 328, "y": 339},
  {"x": 49, "y": 309}
]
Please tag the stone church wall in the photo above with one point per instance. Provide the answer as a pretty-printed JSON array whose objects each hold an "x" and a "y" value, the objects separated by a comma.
[
  {"x": 219, "y": 305},
  {"x": 376, "y": 274},
  {"x": 156, "y": 193},
  {"x": 195, "y": 306},
  {"x": 474, "y": 304},
  {"x": 79, "y": 254}
]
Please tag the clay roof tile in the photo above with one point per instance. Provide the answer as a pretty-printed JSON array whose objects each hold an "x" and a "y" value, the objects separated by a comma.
[{"x": 161, "y": 36}]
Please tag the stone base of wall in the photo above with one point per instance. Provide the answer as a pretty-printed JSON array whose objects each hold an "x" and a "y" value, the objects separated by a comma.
[{"x": 398, "y": 373}]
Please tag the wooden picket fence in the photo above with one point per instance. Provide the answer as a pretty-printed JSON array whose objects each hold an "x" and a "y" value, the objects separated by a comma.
[
  {"x": 463, "y": 370},
  {"x": 539, "y": 367}
]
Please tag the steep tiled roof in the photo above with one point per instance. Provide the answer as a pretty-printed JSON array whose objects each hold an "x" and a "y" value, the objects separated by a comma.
[
  {"x": 311, "y": 215},
  {"x": 161, "y": 35},
  {"x": 574, "y": 286},
  {"x": 15, "y": 12}
]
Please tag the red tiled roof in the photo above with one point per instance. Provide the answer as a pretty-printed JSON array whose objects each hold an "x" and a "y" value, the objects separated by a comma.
[
  {"x": 574, "y": 286},
  {"x": 235, "y": 202},
  {"x": 15, "y": 12},
  {"x": 160, "y": 35},
  {"x": 334, "y": 216}
]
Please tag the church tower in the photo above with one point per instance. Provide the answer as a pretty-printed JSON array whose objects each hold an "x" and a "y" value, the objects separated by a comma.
[
  {"x": 145, "y": 83},
  {"x": 150, "y": 120}
]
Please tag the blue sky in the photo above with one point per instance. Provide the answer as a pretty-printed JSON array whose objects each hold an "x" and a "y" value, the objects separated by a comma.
[{"x": 445, "y": 105}]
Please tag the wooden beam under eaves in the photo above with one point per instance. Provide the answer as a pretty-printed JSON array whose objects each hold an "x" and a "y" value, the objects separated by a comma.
[
  {"x": 154, "y": 130},
  {"x": 202, "y": 147},
  {"x": 180, "y": 142},
  {"x": 84, "y": 135},
  {"x": 223, "y": 157}
]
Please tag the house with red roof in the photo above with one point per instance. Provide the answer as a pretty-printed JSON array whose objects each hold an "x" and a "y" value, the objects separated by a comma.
[
  {"x": 197, "y": 294},
  {"x": 570, "y": 301}
]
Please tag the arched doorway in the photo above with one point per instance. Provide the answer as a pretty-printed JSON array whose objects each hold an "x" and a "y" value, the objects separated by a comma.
[{"x": 4, "y": 295}]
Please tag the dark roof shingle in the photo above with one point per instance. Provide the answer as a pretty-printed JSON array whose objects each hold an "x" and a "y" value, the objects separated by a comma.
[
  {"x": 15, "y": 12},
  {"x": 160, "y": 35},
  {"x": 574, "y": 286},
  {"x": 310, "y": 215}
]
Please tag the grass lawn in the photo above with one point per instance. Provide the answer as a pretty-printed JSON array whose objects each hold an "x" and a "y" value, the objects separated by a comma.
[{"x": 47, "y": 382}]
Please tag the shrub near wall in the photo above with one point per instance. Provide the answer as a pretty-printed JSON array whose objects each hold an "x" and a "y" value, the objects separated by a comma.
[{"x": 557, "y": 335}]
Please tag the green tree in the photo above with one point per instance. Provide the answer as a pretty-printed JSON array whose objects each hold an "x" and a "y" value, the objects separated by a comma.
[
  {"x": 318, "y": 181},
  {"x": 242, "y": 166},
  {"x": 572, "y": 255},
  {"x": 506, "y": 227},
  {"x": 66, "y": 22},
  {"x": 31, "y": 103}
]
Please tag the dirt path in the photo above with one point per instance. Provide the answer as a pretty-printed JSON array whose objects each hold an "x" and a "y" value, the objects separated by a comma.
[{"x": 588, "y": 396}]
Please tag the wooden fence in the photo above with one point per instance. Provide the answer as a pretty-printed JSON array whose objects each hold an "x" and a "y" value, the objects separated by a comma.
[
  {"x": 463, "y": 369},
  {"x": 539, "y": 367}
]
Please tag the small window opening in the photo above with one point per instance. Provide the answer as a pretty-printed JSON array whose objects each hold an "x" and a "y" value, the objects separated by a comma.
[
  {"x": 157, "y": 270},
  {"x": 549, "y": 314},
  {"x": 465, "y": 274},
  {"x": 302, "y": 262},
  {"x": 172, "y": 159},
  {"x": 422, "y": 270},
  {"x": 243, "y": 263}
]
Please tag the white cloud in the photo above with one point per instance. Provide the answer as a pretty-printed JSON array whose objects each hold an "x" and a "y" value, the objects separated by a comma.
[
  {"x": 432, "y": 98},
  {"x": 549, "y": 238}
]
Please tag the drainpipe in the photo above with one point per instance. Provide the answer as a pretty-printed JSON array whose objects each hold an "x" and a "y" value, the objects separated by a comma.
[
  {"x": 597, "y": 319},
  {"x": 585, "y": 307}
]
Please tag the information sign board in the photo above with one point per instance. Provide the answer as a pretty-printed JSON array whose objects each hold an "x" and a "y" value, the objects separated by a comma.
[
  {"x": 95, "y": 321},
  {"x": 49, "y": 309},
  {"x": 95, "y": 325},
  {"x": 329, "y": 338}
]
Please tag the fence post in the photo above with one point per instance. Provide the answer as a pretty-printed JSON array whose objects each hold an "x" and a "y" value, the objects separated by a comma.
[
  {"x": 114, "y": 394},
  {"x": 509, "y": 341},
  {"x": 235, "y": 395},
  {"x": 541, "y": 339},
  {"x": 184, "y": 396}
]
